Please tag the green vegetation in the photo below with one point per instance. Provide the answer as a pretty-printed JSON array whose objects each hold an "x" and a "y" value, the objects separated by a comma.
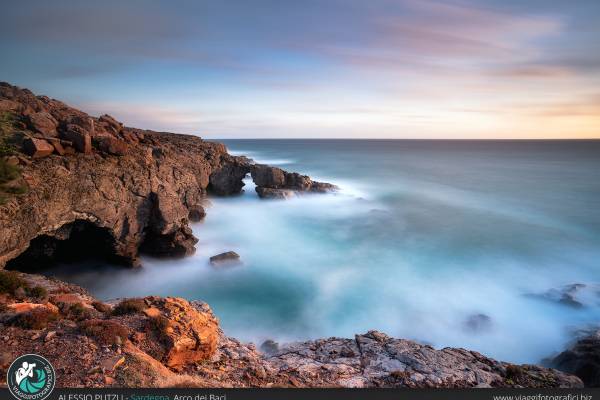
[
  {"x": 8, "y": 127},
  {"x": 9, "y": 174},
  {"x": 78, "y": 312},
  {"x": 38, "y": 292},
  {"x": 130, "y": 306}
]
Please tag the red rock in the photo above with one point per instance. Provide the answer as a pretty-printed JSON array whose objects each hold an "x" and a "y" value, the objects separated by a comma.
[
  {"x": 44, "y": 123},
  {"x": 112, "y": 145},
  {"x": 82, "y": 141},
  {"x": 58, "y": 147},
  {"x": 188, "y": 335},
  {"x": 37, "y": 148}
]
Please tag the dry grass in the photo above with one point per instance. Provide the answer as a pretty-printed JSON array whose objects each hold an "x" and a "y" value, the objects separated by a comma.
[
  {"x": 105, "y": 332},
  {"x": 38, "y": 318},
  {"x": 130, "y": 306}
]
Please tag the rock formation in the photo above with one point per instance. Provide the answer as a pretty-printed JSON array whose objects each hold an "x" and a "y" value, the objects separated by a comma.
[
  {"x": 162, "y": 342},
  {"x": 126, "y": 189},
  {"x": 582, "y": 359}
]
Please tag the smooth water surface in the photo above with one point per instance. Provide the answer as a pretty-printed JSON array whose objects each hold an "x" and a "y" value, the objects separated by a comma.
[{"x": 422, "y": 236}]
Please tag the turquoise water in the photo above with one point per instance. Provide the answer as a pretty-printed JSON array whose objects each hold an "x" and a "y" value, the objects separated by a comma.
[{"x": 423, "y": 235}]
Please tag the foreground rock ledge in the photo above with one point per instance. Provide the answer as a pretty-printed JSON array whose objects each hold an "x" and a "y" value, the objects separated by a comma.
[{"x": 165, "y": 342}]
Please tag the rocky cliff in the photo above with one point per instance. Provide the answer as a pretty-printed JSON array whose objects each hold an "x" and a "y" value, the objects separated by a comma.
[
  {"x": 165, "y": 342},
  {"x": 126, "y": 190}
]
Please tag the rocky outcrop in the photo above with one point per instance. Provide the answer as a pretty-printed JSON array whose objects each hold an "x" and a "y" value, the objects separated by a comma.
[
  {"x": 161, "y": 342},
  {"x": 582, "y": 359},
  {"x": 136, "y": 190},
  {"x": 273, "y": 182}
]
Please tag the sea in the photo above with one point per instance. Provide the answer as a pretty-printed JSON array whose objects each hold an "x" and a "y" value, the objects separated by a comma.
[{"x": 449, "y": 243}]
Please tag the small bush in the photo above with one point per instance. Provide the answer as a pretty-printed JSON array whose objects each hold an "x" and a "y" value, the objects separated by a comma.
[
  {"x": 38, "y": 318},
  {"x": 10, "y": 281},
  {"x": 102, "y": 307},
  {"x": 8, "y": 172},
  {"x": 130, "y": 306},
  {"x": 22, "y": 189},
  {"x": 78, "y": 312},
  {"x": 38, "y": 292},
  {"x": 3, "y": 307},
  {"x": 105, "y": 332}
]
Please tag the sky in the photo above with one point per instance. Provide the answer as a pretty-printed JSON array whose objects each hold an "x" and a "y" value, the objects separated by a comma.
[{"x": 316, "y": 68}]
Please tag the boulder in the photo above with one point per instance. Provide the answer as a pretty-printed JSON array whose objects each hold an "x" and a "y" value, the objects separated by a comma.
[
  {"x": 229, "y": 257},
  {"x": 58, "y": 147},
  {"x": 582, "y": 359},
  {"x": 264, "y": 175},
  {"x": 43, "y": 122},
  {"x": 82, "y": 140},
  {"x": 37, "y": 148},
  {"x": 197, "y": 213},
  {"x": 187, "y": 334},
  {"x": 110, "y": 124},
  {"x": 111, "y": 145}
]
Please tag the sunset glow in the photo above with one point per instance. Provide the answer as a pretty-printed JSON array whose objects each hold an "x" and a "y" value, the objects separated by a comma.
[{"x": 320, "y": 69}]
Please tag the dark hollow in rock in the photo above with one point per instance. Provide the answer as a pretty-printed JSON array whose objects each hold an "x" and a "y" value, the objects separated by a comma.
[{"x": 73, "y": 242}]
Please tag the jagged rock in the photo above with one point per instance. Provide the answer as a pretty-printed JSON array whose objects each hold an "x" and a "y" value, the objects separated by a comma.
[
  {"x": 37, "y": 148},
  {"x": 582, "y": 359},
  {"x": 141, "y": 201},
  {"x": 197, "y": 213},
  {"x": 58, "y": 147},
  {"x": 109, "y": 123},
  {"x": 227, "y": 180},
  {"x": 43, "y": 122},
  {"x": 82, "y": 140},
  {"x": 572, "y": 295},
  {"x": 268, "y": 193},
  {"x": 273, "y": 182},
  {"x": 229, "y": 257},
  {"x": 187, "y": 334},
  {"x": 112, "y": 145}
]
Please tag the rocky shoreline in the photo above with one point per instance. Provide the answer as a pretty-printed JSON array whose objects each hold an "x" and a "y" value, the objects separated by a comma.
[{"x": 74, "y": 187}]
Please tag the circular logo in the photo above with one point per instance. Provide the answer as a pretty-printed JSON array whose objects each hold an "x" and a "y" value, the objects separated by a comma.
[{"x": 31, "y": 377}]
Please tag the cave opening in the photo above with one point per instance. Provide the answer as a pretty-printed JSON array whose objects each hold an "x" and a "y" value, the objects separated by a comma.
[{"x": 72, "y": 243}]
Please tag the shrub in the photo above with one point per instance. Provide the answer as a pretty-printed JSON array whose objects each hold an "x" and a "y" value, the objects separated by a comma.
[
  {"x": 21, "y": 189},
  {"x": 38, "y": 292},
  {"x": 130, "y": 306},
  {"x": 78, "y": 312},
  {"x": 10, "y": 281},
  {"x": 105, "y": 332},
  {"x": 3, "y": 307},
  {"x": 8, "y": 172},
  {"x": 38, "y": 318},
  {"x": 102, "y": 307}
]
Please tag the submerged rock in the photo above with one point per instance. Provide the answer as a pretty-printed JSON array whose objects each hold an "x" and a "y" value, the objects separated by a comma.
[
  {"x": 576, "y": 295},
  {"x": 229, "y": 257},
  {"x": 478, "y": 323}
]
